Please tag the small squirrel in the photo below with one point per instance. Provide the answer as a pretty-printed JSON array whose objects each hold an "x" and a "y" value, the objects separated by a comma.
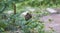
[{"x": 28, "y": 16}]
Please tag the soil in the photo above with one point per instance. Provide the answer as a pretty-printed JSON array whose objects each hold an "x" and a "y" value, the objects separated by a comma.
[{"x": 52, "y": 22}]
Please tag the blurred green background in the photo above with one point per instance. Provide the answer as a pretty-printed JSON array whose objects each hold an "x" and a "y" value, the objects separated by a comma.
[{"x": 12, "y": 9}]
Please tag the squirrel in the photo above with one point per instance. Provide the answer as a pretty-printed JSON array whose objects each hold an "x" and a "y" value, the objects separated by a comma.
[{"x": 28, "y": 16}]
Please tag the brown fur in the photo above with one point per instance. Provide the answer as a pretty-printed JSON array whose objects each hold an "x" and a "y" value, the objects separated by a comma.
[{"x": 28, "y": 16}]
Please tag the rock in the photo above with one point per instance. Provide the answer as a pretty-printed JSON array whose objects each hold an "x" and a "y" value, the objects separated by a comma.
[{"x": 51, "y": 10}]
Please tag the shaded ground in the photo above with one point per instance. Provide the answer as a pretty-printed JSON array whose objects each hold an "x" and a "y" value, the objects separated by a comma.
[
  {"x": 18, "y": 31},
  {"x": 52, "y": 21}
]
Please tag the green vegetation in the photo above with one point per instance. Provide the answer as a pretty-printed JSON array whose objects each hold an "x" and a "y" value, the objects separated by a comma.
[{"x": 34, "y": 25}]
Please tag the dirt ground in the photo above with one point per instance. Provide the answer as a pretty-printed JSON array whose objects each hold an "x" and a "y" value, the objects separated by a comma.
[{"x": 52, "y": 22}]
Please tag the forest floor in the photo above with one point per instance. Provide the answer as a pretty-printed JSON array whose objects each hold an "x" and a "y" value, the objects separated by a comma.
[{"x": 52, "y": 22}]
